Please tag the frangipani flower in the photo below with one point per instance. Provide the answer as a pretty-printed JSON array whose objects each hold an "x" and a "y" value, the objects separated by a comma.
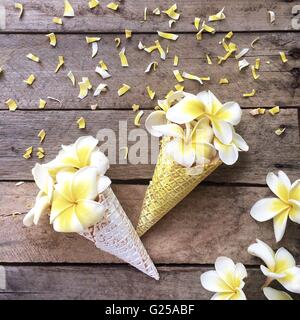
[
  {"x": 280, "y": 266},
  {"x": 226, "y": 280},
  {"x": 287, "y": 205},
  {"x": 273, "y": 294},
  {"x": 83, "y": 153},
  {"x": 43, "y": 200},
  {"x": 222, "y": 116},
  {"x": 74, "y": 207},
  {"x": 229, "y": 153},
  {"x": 191, "y": 145}
]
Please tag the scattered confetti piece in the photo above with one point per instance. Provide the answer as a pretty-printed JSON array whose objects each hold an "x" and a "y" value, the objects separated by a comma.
[
  {"x": 94, "y": 49},
  {"x": 61, "y": 62},
  {"x": 30, "y": 80},
  {"x": 178, "y": 76},
  {"x": 135, "y": 107},
  {"x": 150, "y": 92},
  {"x": 145, "y": 14},
  {"x": 69, "y": 12},
  {"x": 84, "y": 87},
  {"x": 274, "y": 110},
  {"x": 229, "y": 35},
  {"x": 125, "y": 87},
  {"x": 208, "y": 59},
  {"x": 125, "y": 153},
  {"x": 57, "y": 20},
  {"x": 92, "y": 39},
  {"x": 191, "y": 77},
  {"x": 254, "y": 74},
  {"x": 102, "y": 72},
  {"x": 1, "y": 70},
  {"x": 72, "y": 78},
  {"x": 243, "y": 64},
  {"x": 42, "y": 135},
  {"x": 20, "y": 7},
  {"x": 19, "y": 183},
  {"x": 257, "y": 111},
  {"x": 171, "y": 22},
  {"x": 280, "y": 131},
  {"x": 12, "y": 104},
  {"x": 94, "y": 106},
  {"x": 33, "y": 57},
  {"x": 42, "y": 104},
  {"x": 171, "y": 12},
  {"x": 254, "y": 41},
  {"x": 103, "y": 65},
  {"x": 242, "y": 53},
  {"x": 141, "y": 46},
  {"x": 123, "y": 58},
  {"x": 223, "y": 81},
  {"x": 156, "y": 11},
  {"x": 249, "y": 94},
  {"x": 128, "y": 34},
  {"x": 179, "y": 87},
  {"x": 153, "y": 65},
  {"x": 271, "y": 16},
  {"x": 197, "y": 23},
  {"x": 93, "y": 4},
  {"x": 28, "y": 153},
  {"x": 40, "y": 153},
  {"x": 206, "y": 28},
  {"x": 81, "y": 123},
  {"x": 137, "y": 119},
  {"x": 283, "y": 57},
  {"x": 56, "y": 100},
  {"x": 113, "y": 6},
  {"x": 117, "y": 42},
  {"x": 175, "y": 61},
  {"x": 52, "y": 39},
  {"x": 257, "y": 63},
  {"x": 160, "y": 50},
  {"x": 218, "y": 16},
  {"x": 169, "y": 36},
  {"x": 101, "y": 88}
]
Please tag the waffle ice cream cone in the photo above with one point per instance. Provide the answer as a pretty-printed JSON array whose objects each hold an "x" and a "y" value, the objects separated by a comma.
[
  {"x": 170, "y": 184},
  {"x": 116, "y": 235}
]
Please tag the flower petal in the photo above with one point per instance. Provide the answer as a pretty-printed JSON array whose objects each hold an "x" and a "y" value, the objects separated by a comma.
[
  {"x": 273, "y": 294},
  {"x": 291, "y": 281},
  {"x": 280, "y": 185},
  {"x": 222, "y": 130},
  {"x": 211, "y": 102},
  {"x": 264, "y": 252},
  {"x": 222, "y": 296},
  {"x": 239, "y": 295},
  {"x": 295, "y": 191},
  {"x": 182, "y": 153},
  {"x": 204, "y": 152},
  {"x": 266, "y": 209},
  {"x": 294, "y": 213},
  {"x": 284, "y": 260},
  {"x": 103, "y": 183},
  {"x": 156, "y": 118},
  {"x": 100, "y": 161},
  {"x": 89, "y": 212},
  {"x": 280, "y": 224},
  {"x": 225, "y": 268},
  {"x": 84, "y": 185},
  {"x": 211, "y": 281},
  {"x": 240, "y": 142},
  {"x": 240, "y": 274},
  {"x": 186, "y": 110},
  {"x": 170, "y": 130},
  {"x": 59, "y": 205},
  {"x": 84, "y": 147},
  {"x": 202, "y": 132},
  {"x": 43, "y": 179},
  {"x": 230, "y": 112},
  {"x": 67, "y": 221},
  {"x": 270, "y": 274},
  {"x": 227, "y": 153}
]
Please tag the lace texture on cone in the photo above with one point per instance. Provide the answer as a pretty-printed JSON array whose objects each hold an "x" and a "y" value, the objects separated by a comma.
[
  {"x": 170, "y": 184},
  {"x": 117, "y": 236}
]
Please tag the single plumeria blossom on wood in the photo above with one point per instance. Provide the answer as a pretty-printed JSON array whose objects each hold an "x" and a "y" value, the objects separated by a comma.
[
  {"x": 273, "y": 294},
  {"x": 280, "y": 266},
  {"x": 287, "y": 205},
  {"x": 226, "y": 280}
]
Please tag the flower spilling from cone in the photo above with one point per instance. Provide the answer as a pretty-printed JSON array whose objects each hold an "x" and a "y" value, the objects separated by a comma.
[
  {"x": 198, "y": 135},
  {"x": 77, "y": 197}
]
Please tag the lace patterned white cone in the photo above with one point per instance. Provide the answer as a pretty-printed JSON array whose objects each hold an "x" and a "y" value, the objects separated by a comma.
[{"x": 116, "y": 235}]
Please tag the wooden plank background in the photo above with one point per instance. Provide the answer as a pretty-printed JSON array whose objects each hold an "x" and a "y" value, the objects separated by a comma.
[{"x": 213, "y": 220}]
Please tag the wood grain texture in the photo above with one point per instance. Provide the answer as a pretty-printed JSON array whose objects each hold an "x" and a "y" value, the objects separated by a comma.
[
  {"x": 211, "y": 221},
  {"x": 267, "y": 151},
  {"x": 38, "y": 16},
  {"x": 111, "y": 282},
  {"x": 279, "y": 84}
]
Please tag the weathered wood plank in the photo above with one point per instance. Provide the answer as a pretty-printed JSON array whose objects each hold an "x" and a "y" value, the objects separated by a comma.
[
  {"x": 278, "y": 83},
  {"x": 211, "y": 221},
  {"x": 267, "y": 151},
  {"x": 38, "y": 16}
]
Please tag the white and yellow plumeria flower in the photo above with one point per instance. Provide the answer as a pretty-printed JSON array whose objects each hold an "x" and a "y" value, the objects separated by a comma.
[
  {"x": 74, "y": 207},
  {"x": 287, "y": 205},
  {"x": 222, "y": 116},
  {"x": 189, "y": 146},
  {"x": 229, "y": 153},
  {"x": 273, "y": 294},
  {"x": 43, "y": 200},
  {"x": 226, "y": 280},
  {"x": 83, "y": 153},
  {"x": 280, "y": 266}
]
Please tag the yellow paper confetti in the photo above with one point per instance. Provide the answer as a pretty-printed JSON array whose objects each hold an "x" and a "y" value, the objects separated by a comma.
[
  {"x": 101, "y": 88},
  {"x": 249, "y": 94},
  {"x": 208, "y": 59},
  {"x": 137, "y": 119},
  {"x": 254, "y": 74},
  {"x": 69, "y": 12},
  {"x": 113, "y": 6},
  {"x": 42, "y": 135},
  {"x": 229, "y": 35},
  {"x": 92, "y": 39},
  {"x": 128, "y": 34},
  {"x": 223, "y": 81},
  {"x": 28, "y": 153},
  {"x": 20, "y": 7},
  {"x": 175, "y": 61},
  {"x": 123, "y": 58},
  {"x": 274, "y": 110},
  {"x": 160, "y": 50},
  {"x": 283, "y": 57},
  {"x": 81, "y": 123},
  {"x": 279, "y": 131},
  {"x": 72, "y": 78},
  {"x": 93, "y": 4},
  {"x": 103, "y": 65},
  {"x": 178, "y": 76},
  {"x": 206, "y": 28},
  {"x": 84, "y": 87},
  {"x": 30, "y": 80},
  {"x": 12, "y": 104},
  {"x": 171, "y": 12},
  {"x": 169, "y": 36},
  {"x": 257, "y": 63},
  {"x": 42, "y": 103},
  {"x": 218, "y": 16},
  {"x": 40, "y": 153},
  {"x": 57, "y": 20},
  {"x": 197, "y": 23},
  {"x": 257, "y": 111},
  {"x": 192, "y": 77},
  {"x": 135, "y": 107},
  {"x": 61, "y": 62},
  {"x": 153, "y": 65},
  {"x": 117, "y": 42},
  {"x": 125, "y": 87},
  {"x": 179, "y": 87},
  {"x": 150, "y": 92},
  {"x": 33, "y": 57},
  {"x": 52, "y": 39}
]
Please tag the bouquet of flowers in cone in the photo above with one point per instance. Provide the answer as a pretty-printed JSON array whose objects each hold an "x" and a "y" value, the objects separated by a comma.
[
  {"x": 198, "y": 135},
  {"x": 76, "y": 194}
]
